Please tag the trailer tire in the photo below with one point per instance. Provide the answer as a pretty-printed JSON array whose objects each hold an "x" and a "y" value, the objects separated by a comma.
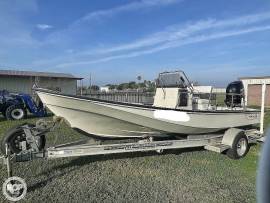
[
  {"x": 15, "y": 135},
  {"x": 15, "y": 112},
  {"x": 239, "y": 148}
]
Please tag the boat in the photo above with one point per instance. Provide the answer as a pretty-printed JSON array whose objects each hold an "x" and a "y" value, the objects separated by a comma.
[{"x": 178, "y": 110}]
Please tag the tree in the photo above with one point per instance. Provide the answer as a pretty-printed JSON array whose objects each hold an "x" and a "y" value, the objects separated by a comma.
[
  {"x": 112, "y": 87},
  {"x": 122, "y": 86},
  {"x": 95, "y": 88},
  {"x": 148, "y": 86},
  {"x": 141, "y": 85},
  {"x": 132, "y": 85}
]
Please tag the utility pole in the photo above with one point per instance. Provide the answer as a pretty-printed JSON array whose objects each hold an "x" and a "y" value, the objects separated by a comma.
[
  {"x": 81, "y": 87},
  {"x": 262, "y": 107},
  {"x": 138, "y": 87},
  {"x": 90, "y": 83}
]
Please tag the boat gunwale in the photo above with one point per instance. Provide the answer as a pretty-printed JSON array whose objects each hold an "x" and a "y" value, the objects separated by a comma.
[{"x": 130, "y": 105}]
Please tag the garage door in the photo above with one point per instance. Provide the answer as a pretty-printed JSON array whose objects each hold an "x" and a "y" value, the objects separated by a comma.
[{"x": 255, "y": 95}]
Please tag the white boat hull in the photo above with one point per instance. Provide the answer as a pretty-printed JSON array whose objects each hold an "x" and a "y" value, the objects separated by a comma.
[{"x": 119, "y": 120}]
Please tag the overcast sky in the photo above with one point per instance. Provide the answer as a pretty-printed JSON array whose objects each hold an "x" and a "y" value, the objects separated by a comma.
[{"x": 213, "y": 41}]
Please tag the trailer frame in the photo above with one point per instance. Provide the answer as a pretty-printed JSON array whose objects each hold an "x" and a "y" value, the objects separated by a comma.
[{"x": 213, "y": 142}]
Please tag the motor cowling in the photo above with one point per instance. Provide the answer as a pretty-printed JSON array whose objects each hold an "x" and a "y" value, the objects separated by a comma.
[{"x": 234, "y": 94}]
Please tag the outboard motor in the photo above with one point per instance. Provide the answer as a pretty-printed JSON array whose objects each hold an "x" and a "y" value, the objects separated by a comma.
[{"x": 234, "y": 94}]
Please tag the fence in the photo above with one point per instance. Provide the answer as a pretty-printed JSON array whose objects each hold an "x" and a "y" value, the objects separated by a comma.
[{"x": 146, "y": 98}]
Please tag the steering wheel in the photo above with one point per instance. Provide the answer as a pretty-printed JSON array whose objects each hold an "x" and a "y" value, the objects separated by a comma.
[{"x": 263, "y": 177}]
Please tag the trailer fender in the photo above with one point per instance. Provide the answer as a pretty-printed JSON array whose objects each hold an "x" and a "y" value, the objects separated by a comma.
[{"x": 230, "y": 135}]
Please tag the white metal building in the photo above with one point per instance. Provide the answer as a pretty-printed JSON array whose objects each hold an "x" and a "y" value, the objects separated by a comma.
[
  {"x": 23, "y": 81},
  {"x": 253, "y": 89},
  {"x": 210, "y": 89},
  {"x": 219, "y": 90},
  {"x": 203, "y": 89},
  {"x": 104, "y": 89}
]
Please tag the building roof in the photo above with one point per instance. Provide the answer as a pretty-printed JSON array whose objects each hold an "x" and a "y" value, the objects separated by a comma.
[
  {"x": 37, "y": 74},
  {"x": 256, "y": 77}
]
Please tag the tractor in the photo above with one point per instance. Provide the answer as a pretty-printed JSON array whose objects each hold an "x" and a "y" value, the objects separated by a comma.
[{"x": 17, "y": 106}]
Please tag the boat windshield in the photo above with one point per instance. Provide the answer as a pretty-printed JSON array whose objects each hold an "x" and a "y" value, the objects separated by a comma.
[{"x": 173, "y": 79}]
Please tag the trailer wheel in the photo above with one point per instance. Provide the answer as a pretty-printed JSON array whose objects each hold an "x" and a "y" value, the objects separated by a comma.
[
  {"x": 16, "y": 135},
  {"x": 240, "y": 147},
  {"x": 15, "y": 112}
]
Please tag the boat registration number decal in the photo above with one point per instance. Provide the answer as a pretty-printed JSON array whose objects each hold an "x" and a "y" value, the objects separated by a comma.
[
  {"x": 171, "y": 115},
  {"x": 252, "y": 116}
]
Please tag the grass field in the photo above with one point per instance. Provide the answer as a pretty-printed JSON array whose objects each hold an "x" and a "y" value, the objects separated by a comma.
[{"x": 174, "y": 176}]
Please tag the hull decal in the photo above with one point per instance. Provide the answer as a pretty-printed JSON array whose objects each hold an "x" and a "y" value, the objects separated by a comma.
[{"x": 171, "y": 115}]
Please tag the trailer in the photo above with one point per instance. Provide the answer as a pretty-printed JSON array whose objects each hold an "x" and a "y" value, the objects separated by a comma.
[{"x": 27, "y": 142}]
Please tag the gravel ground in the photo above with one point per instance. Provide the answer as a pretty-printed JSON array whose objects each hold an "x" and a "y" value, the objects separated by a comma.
[{"x": 174, "y": 176}]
